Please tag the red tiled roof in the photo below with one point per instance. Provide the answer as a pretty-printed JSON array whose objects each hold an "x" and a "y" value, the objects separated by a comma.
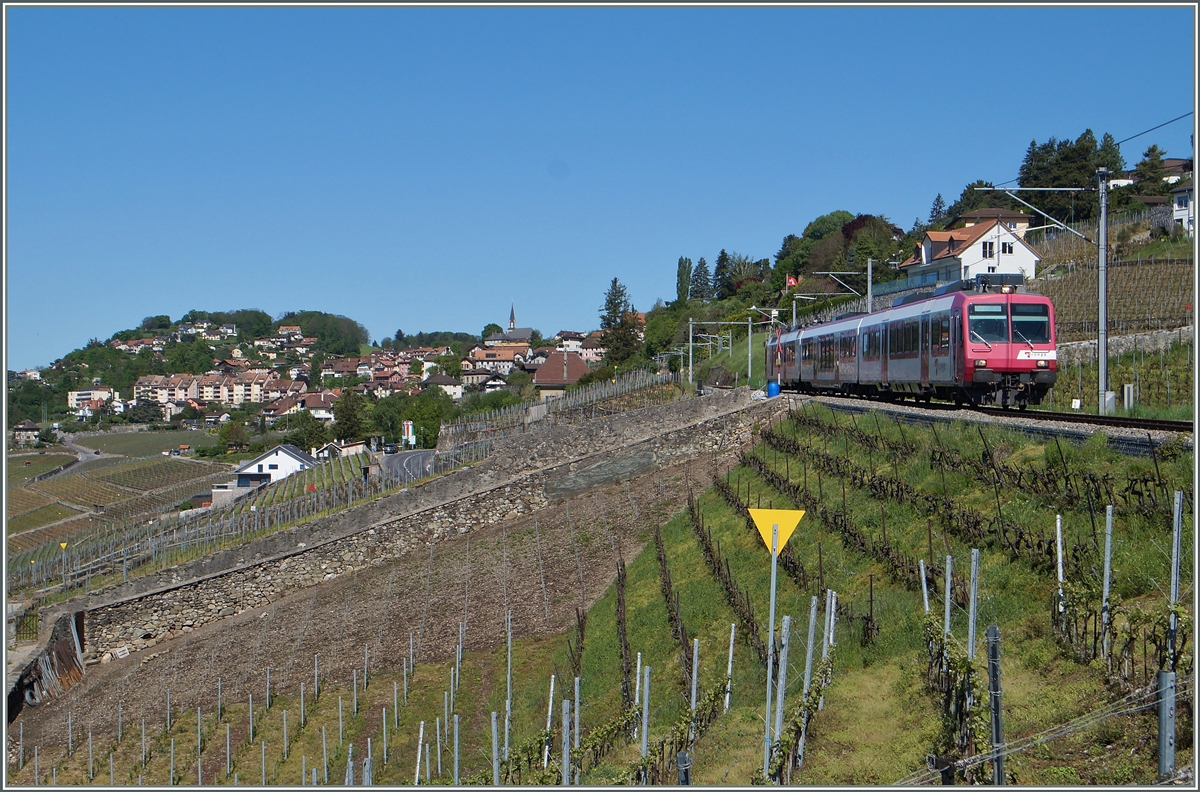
[{"x": 550, "y": 373}]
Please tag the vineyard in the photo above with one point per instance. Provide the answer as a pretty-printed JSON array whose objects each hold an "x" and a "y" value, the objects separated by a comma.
[
  {"x": 1142, "y": 296},
  {"x": 46, "y": 512},
  {"x": 1163, "y": 380},
  {"x": 649, "y": 594}
]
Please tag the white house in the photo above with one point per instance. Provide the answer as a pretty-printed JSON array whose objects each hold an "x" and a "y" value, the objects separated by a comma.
[
  {"x": 986, "y": 248},
  {"x": 275, "y": 465},
  {"x": 1183, "y": 201}
]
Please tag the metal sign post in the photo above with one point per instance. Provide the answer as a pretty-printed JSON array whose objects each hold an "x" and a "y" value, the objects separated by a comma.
[{"x": 782, "y": 524}]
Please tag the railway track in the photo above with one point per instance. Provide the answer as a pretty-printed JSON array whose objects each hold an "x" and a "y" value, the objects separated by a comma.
[
  {"x": 1145, "y": 424},
  {"x": 1132, "y": 436}
]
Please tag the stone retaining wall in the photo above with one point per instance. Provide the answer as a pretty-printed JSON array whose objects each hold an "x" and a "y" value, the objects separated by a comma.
[
  {"x": 1069, "y": 354},
  {"x": 376, "y": 534}
]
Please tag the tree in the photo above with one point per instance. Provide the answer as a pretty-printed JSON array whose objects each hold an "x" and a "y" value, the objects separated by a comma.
[
  {"x": 791, "y": 243},
  {"x": 348, "y": 416},
  {"x": 618, "y": 321},
  {"x": 536, "y": 339},
  {"x": 683, "y": 280},
  {"x": 1109, "y": 156},
  {"x": 937, "y": 212},
  {"x": 701, "y": 286},
  {"x": 388, "y": 416},
  {"x": 1149, "y": 174},
  {"x": 972, "y": 199},
  {"x": 722, "y": 285},
  {"x": 156, "y": 322},
  {"x": 306, "y": 432},
  {"x": 450, "y": 365},
  {"x": 489, "y": 329},
  {"x": 233, "y": 433}
]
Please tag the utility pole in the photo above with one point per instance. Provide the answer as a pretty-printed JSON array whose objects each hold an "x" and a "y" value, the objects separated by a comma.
[
  {"x": 690, "y": 350},
  {"x": 870, "y": 262},
  {"x": 1102, "y": 346},
  {"x": 749, "y": 348}
]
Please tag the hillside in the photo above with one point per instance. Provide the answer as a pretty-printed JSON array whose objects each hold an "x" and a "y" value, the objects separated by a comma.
[{"x": 880, "y": 496}]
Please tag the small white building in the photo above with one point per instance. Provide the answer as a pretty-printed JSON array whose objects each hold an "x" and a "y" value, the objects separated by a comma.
[
  {"x": 275, "y": 465},
  {"x": 987, "y": 248},
  {"x": 1183, "y": 201}
]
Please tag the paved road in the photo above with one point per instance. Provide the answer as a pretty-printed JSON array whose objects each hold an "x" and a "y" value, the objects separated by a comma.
[{"x": 408, "y": 465}]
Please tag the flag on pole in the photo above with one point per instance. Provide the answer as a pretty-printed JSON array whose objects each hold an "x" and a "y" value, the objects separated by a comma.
[{"x": 791, "y": 281}]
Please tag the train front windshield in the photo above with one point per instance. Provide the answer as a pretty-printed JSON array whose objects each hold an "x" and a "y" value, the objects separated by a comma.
[
  {"x": 989, "y": 323},
  {"x": 1031, "y": 323}
]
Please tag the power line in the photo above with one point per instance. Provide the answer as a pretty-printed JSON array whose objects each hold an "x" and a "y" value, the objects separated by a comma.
[
  {"x": 1119, "y": 142},
  {"x": 1151, "y": 129}
]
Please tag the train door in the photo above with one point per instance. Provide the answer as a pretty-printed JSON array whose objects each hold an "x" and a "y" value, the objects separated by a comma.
[
  {"x": 957, "y": 352},
  {"x": 924, "y": 351},
  {"x": 884, "y": 347}
]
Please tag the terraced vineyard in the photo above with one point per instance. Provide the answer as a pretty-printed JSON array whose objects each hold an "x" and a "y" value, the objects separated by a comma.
[
  {"x": 81, "y": 490},
  {"x": 894, "y": 687},
  {"x": 1144, "y": 295},
  {"x": 41, "y": 513},
  {"x": 154, "y": 474}
]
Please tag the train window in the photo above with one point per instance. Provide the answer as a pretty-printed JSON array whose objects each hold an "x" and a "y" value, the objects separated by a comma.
[
  {"x": 988, "y": 323},
  {"x": 1031, "y": 323}
]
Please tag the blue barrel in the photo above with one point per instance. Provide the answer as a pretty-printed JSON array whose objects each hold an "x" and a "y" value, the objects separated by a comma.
[{"x": 772, "y": 390}]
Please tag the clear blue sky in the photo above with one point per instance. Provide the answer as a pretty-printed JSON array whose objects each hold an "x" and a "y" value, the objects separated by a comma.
[{"x": 423, "y": 169}]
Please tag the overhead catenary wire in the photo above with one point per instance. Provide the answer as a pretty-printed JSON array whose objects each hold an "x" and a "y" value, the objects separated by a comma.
[{"x": 1119, "y": 142}]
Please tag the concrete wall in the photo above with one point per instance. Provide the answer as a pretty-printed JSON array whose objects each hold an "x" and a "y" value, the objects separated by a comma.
[{"x": 525, "y": 475}]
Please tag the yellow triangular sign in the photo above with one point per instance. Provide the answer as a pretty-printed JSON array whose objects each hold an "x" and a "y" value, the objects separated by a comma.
[{"x": 786, "y": 519}]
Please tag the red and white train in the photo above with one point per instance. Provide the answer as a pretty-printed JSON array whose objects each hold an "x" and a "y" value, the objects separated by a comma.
[{"x": 971, "y": 342}]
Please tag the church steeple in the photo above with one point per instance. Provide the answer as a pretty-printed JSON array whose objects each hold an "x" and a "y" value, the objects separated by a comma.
[{"x": 512, "y": 319}]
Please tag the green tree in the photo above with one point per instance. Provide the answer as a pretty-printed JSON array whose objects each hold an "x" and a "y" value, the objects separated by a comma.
[
  {"x": 156, "y": 322},
  {"x": 1150, "y": 172},
  {"x": 450, "y": 365},
  {"x": 306, "y": 432},
  {"x": 1109, "y": 156},
  {"x": 791, "y": 243},
  {"x": 489, "y": 329},
  {"x": 683, "y": 280},
  {"x": 937, "y": 212},
  {"x": 388, "y": 416},
  {"x": 619, "y": 325},
  {"x": 701, "y": 286},
  {"x": 972, "y": 199},
  {"x": 233, "y": 433},
  {"x": 349, "y": 413},
  {"x": 723, "y": 285},
  {"x": 536, "y": 339},
  {"x": 819, "y": 229}
]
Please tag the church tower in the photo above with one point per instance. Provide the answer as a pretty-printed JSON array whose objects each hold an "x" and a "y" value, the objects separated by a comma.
[{"x": 512, "y": 319}]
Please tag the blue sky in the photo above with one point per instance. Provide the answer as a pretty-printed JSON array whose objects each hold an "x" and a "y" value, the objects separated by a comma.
[{"x": 423, "y": 169}]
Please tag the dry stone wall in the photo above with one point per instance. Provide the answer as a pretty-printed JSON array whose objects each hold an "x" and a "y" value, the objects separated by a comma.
[{"x": 583, "y": 457}]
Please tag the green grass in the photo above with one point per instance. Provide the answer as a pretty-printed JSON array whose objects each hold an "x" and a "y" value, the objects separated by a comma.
[
  {"x": 38, "y": 517},
  {"x": 19, "y": 472},
  {"x": 139, "y": 444}
]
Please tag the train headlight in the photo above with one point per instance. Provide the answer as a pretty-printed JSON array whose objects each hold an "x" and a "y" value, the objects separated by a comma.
[
  {"x": 980, "y": 363},
  {"x": 1043, "y": 364}
]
